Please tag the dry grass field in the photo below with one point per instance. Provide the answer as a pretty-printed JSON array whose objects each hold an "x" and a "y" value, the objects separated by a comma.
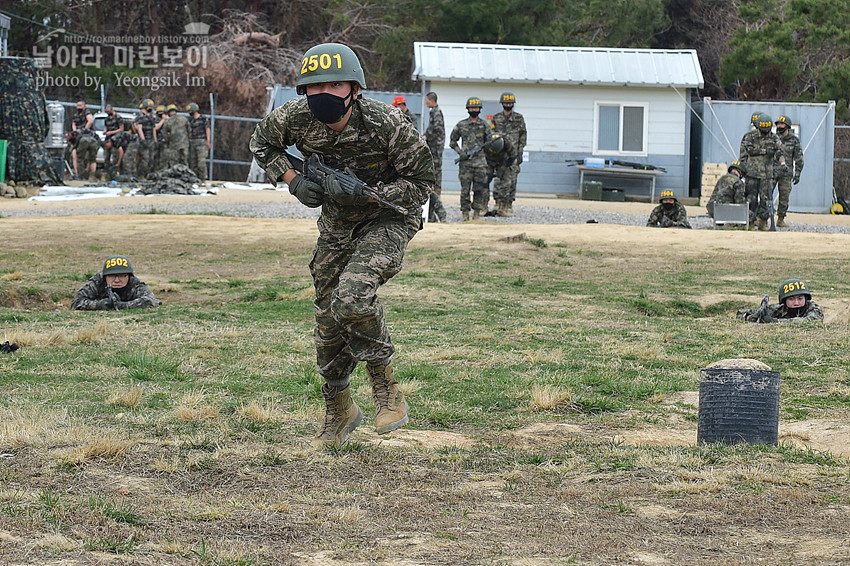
[{"x": 553, "y": 382}]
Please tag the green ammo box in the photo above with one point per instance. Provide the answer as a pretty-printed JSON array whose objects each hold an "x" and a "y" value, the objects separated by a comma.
[
  {"x": 616, "y": 195},
  {"x": 591, "y": 190}
]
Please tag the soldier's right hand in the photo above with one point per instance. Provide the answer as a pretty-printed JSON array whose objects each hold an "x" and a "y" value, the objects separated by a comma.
[
  {"x": 307, "y": 192},
  {"x": 462, "y": 153},
  {"x": 104, "y": 304}
]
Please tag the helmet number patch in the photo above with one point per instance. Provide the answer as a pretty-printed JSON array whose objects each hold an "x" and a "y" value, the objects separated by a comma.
[
  {"x": 793, "y": 286},
  {"x": 115, "y": 262},
  {"x": 323, "y": 61}
]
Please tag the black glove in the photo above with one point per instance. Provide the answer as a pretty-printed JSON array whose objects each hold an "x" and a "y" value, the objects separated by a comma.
[
  {"x": 307, "y": 192},
  {"x": 338, "y": 195},
  {"x": 462, "y": 153},
  {"x": 120, "y": 305},
  {"x": 796, "y": 178},
  {"x": 784, "y": 171},
  {"x": 104, "y": 304}
]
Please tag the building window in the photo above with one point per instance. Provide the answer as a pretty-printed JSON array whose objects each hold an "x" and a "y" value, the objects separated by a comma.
[{"x": 620, "y": 128}]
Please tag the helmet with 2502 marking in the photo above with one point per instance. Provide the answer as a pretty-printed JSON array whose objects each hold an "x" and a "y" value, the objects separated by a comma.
[
  {"x": 328, "y": 63},
  {"x": 116, "y": 264}
]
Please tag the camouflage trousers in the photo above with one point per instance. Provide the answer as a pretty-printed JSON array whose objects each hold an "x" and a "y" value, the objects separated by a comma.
[
  {"x": 198, "y": 152},
  {"x": 784, "y": 184},
  {"x": 347, "y": 272},
  {"x": 147, "y": 157},
  {"x": 437, "y": 158},
  {"x": 86, "y": 155},
  {"x": 173, "y": 154},
  {"x": 505, "y": 188},
  {"x": 758, "y": 193},
  {"x": 128, "y": 164},
  {"x": 476, "y": 179}
]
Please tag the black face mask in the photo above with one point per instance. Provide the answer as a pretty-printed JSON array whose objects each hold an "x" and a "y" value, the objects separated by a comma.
[
  {"x": 508, "y": 107},
  {"x": 796, "y": 311},
  {"x": 781, "y": 130},
  {"x": 667, "y": 205},
  {"x": 329, "y": 108},
  {"x": 474, "y": 113}
]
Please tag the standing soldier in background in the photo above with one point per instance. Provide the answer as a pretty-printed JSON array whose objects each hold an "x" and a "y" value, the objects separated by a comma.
[
  {"x": 400, "y": 102},
  {"x": 145, "y": 125},
  {"x": 435, "y": 137},
  {"x": 361, "y": 242},
  {"x": 472, "y": 171},
  {"x": 761, "y": 153},
  {"x": 112, "y": 124},
  {"x": 500, "y": 155},
  {"x": 511, "y": 125},
  {"x": 85, "y": 143},
  {"x": 199, "y": 141},
  {"x": 82, "y": 117},
  {"x": 729, "y": 188},
  {"x": 129, "y": 162},
  {"x": 793, "y": 151},
  {"x": 159, "y": 145},
  {"x": 175, "y": 138}
]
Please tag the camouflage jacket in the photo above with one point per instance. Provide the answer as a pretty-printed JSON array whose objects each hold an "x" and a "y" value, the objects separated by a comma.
[
  {"x": 793, "y": 151},
  {"x": 147, "y": 123},
  {"x": 112, "y": 123},
  {"x": 411, "y": 117},
  {"x": 378, "y": 144},
  {"x": 436, "y": 131},
  {"x": 94, "y": 296},
  {"x": 729, "y": 189},
  {"x": 175, "y": 130},
  {"x": 497, "y": 161},
  {"x": 198, "y": 127},
  {"x": 762, "y": 154},
  {"x": 512, "y": 127},
  {"x": 779, "y": 313},
  {"x": 472, "y": 135},
  {"x": 677, "y": 217}
]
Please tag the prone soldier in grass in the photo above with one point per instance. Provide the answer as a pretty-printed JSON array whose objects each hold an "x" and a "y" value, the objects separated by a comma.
[
  {"x": 795, "y": 305},
  {"x": 361, "y": 241},
  {"x": 114, "y": 288},
  {"x": 669, "y": 214}
]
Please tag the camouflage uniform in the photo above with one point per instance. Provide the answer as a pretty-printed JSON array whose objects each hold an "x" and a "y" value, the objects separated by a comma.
[
  {"x": 436, "y": 140},
  {"x": 110, "y": 123},
  {"x": 86, "y": 143},
  {"x": 677, "y": 217},
  {"x": 81, "y": 118},
  {"x": 761, "y": 153},
  {"x": 94, "y": 296},
  {"x": 175, "y": 136},
  {"x": 198, "y": 150},
  {"x": 512, "y": 127},
  {"x": 147, "y": 147},
  {"x": 729, "y": 189},
  {"x": 125, "y": 140},
  {"x": 792, "y": 149},
  {"x": 779, "y": 313},
  {"x": 472, "y": 172},
  {"x": 498, "y": 164},
  {"x": 360, "y": 247}
]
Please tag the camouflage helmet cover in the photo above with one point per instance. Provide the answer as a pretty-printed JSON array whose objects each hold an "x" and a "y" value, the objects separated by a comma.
[
  {"x": 146, "y": 103},
  {"x": 737, "y": 165},
  {"x": 329, "y": 62},
  {"x": 507, "y": 98},
  {"x": 474, "y": 102},
  {"x": 495, "y": 144},
  {"x": 792, "y": 287},
  {"x": 116, "y": 264}
]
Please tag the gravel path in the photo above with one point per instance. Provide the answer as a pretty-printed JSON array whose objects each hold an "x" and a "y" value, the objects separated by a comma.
[{"x": 523, "y": 214}]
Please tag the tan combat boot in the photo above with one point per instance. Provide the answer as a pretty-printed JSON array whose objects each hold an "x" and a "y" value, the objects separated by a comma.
[
  {"x": 762, "y": 224},
  {"x": 780, "y": 222},
  {"x": 390, "y": 406},
  {"x": 341, "y": 417},
  {"x": 465, "y": 215},
  {"x": 509, "y": 208},
  {"x": 476, "y": 214}
]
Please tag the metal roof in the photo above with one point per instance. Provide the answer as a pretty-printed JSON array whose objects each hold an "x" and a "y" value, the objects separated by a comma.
[{"x": 599, "y": 66}]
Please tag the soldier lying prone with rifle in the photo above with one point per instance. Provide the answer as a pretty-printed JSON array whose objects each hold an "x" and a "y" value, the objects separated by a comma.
[{"x": 795, "y": 305}]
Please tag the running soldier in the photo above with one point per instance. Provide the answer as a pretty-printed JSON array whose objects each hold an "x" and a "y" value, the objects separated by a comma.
[
  {"x": 361, "y": 242},
  {"x": 511, "y": 125},
  {"x": 793, "y": 151},
  {"x": 472, "y": 171}
]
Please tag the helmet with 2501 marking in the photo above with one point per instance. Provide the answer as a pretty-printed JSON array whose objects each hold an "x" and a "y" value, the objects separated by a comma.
[{"x": 328, "y": 63}]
